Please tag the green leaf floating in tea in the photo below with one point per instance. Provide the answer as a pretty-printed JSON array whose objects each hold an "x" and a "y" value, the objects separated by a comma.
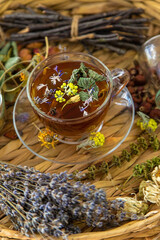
[
  {"x": 85, "y": 83},
  {"x": 77, "y": 73},
  {"x": 95, "y": 92},
  {"x": 83, "y": 96},
  {"x": 86, "y": 79},
  {"x": 95, "y": 76}
]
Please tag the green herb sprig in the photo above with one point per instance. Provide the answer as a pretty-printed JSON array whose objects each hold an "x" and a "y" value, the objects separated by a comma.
[
  {"x": 148, "y": 140},
  {"x": 144, "y": 170}
]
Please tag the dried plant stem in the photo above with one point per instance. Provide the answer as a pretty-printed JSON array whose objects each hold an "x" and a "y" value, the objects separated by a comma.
[{"x": 47, "y": 46}]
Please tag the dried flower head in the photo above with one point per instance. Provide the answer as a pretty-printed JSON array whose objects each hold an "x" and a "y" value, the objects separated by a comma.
[
  {"x": 150, "y": 192},
  {"x": 133, "y": 206},
  {"x": 146, "y": 123},
  {"x": 24, "y": 75},
  {"x": 96, "y": 139},
  {"x": 155, "y": 175},
  {"x": 47, "y": 137},
  {"x": 37, "y": 58}
]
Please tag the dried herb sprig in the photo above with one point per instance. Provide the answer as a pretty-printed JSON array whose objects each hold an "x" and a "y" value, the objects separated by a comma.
[
  {"x": 50, "y": 204},
  {"x": 148, "y": 139},
  {"x": 144, "y": 170}
]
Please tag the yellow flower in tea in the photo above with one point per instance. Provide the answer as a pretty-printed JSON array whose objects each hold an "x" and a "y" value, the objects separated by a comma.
[
  {"x": 64, "y": 86},
  {"x": 70, "y": 89},
  {"x": 48, "y": 138},
  {"x": 59, "y": 96}
]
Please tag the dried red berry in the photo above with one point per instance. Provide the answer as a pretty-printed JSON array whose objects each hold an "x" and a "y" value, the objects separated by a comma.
[
  {"x": 131, "y": 83},
  {"x": 151, "y": 100},
  {"x": 145, "y": 107},
  {"x": 137, "y": 98},
  {"x": 155, "y": 113},
  {"x": 133, "y": 71},
  {"x": 140, "y": 80},
  {"x": 140, "y": 89},
  {"x": 131, "y": 89}
]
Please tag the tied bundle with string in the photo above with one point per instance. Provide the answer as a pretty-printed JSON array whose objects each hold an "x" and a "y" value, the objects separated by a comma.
[
  {"x": 52, "y": 205},
  {"x": 116, "y": 30}
]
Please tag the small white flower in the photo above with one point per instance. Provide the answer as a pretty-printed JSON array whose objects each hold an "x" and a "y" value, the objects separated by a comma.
[
  {"x": 55, "y": 78},
  {"x": 85, "y": 113},
  {"x": 88, "y": 101},
  {"x": 41, "y": 85},
  {"x": 46, "y": 91},
  {"x": 44, "y": 100}
]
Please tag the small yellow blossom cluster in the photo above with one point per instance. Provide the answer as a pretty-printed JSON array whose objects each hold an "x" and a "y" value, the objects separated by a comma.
[
  {"x": 151, "y": 124},
  {"x": 47, "y": 137},
  {"x": 97, "y": 139},
  {"x": 59, "y": 96},
  {"x": 69, "y": 89}
]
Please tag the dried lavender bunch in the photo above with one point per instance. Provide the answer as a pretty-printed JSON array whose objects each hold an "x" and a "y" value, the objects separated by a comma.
[{"x": 50, "y": 204}]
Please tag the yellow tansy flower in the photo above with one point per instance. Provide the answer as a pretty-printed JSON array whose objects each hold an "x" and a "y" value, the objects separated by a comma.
[{"x": 97, "y": 139}]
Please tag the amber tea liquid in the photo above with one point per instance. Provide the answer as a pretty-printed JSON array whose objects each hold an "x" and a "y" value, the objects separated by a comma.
[{"x": 61, "y": 118}]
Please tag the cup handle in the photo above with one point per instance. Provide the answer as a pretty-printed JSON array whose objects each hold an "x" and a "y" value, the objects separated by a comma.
[{"x": 120, "y": 79}]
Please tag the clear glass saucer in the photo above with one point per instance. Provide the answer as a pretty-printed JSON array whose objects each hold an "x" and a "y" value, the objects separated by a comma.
[{"x": 117, "y": 125}]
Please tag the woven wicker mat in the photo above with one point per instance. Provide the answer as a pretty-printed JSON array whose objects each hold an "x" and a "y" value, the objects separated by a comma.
[{"x": 13, "y": 151}]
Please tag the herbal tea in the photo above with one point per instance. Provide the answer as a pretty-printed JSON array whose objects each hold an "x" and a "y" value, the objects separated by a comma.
[{"x": 71, "y": 90}]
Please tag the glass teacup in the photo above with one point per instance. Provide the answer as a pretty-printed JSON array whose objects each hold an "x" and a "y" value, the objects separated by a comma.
[
  {"x": 149, "y": 58},
  {"x": 75, "y": 130}
]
